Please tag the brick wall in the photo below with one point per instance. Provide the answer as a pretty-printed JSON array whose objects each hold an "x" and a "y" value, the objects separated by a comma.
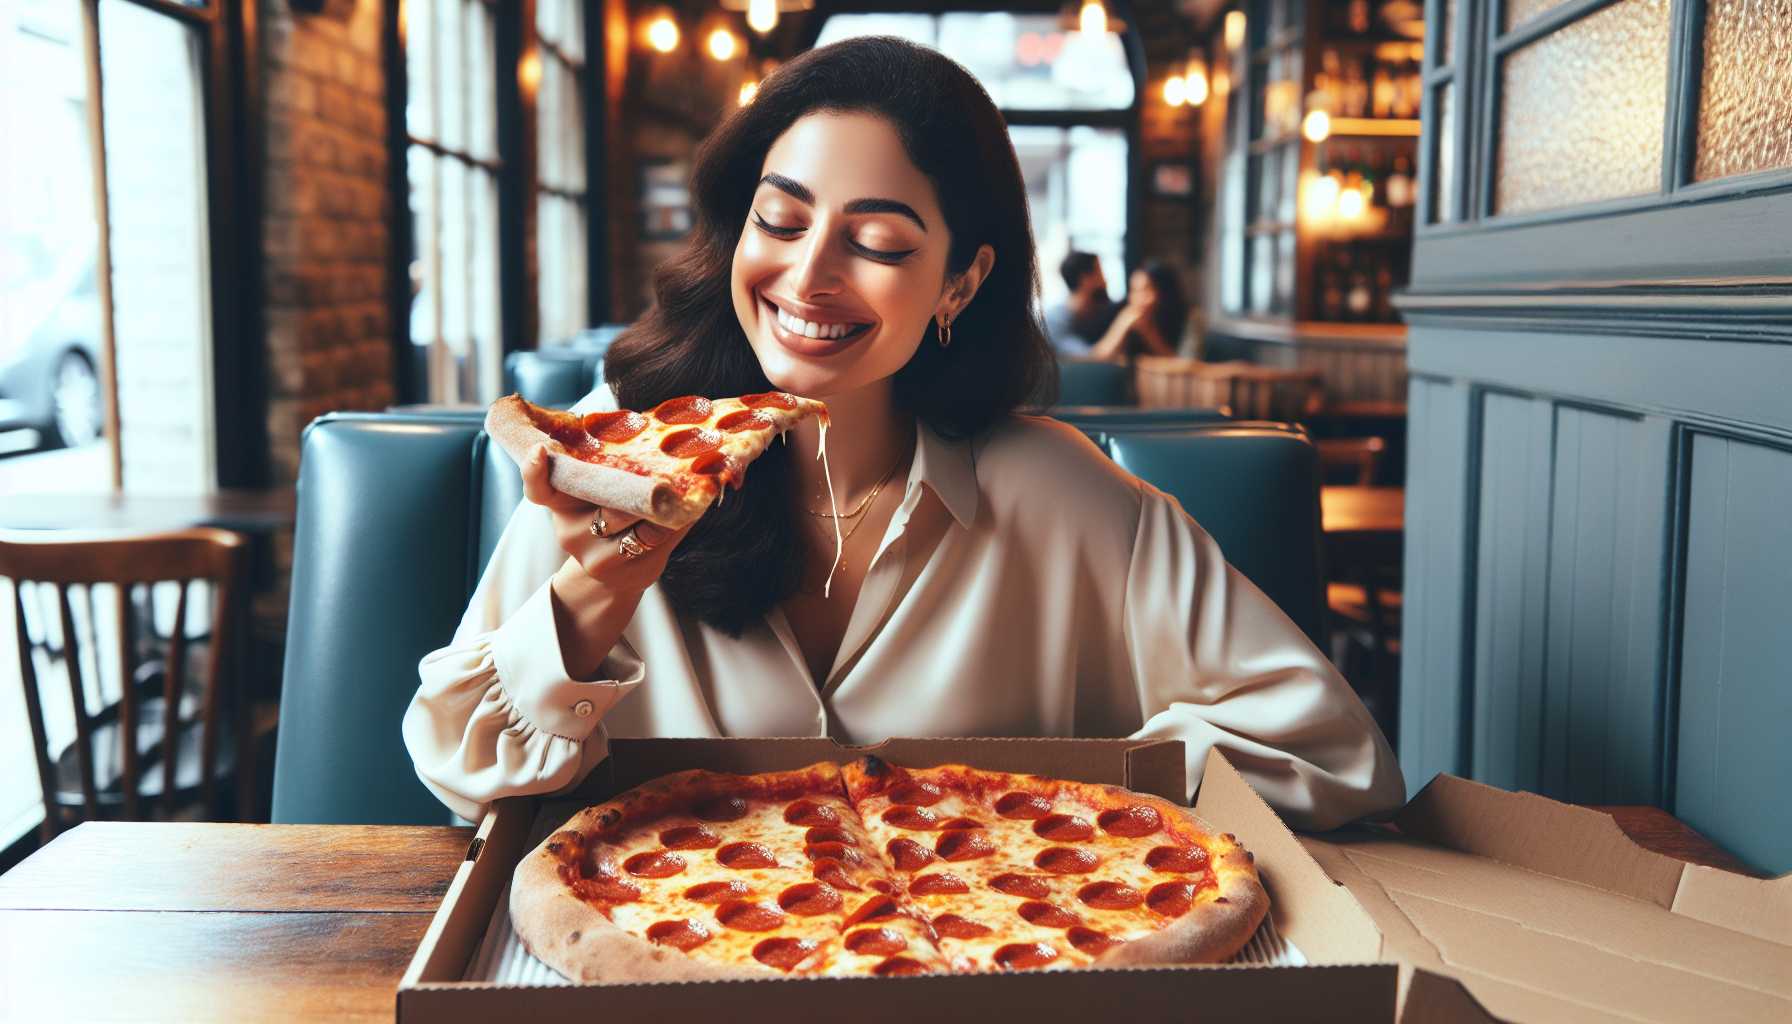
[{"x": 325, "y": 218}]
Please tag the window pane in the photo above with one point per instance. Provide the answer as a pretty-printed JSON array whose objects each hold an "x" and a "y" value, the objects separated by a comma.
[
  {"x": 482, "y": 87},
  {"x": 1446, "y": 33},
  {"x": 426, "y": 292},
  {"x": 420, "y": 63},
  {"x": 1745, "y": 105},
  {"x": 1582, "y": 111},
  {"x": 572, "y": 133},
  {"x": 485, "y": 328},
  {"x": 156, "y": 192},
  {"x": 457, "y": 280},
  {"x": 1520, "y": 11},
  {"x": 547, "y": 121},
  {"x": 1443, "y": 157},
  {"x": 452, "y": 71},
  {"x": 1076, "y": 192},
  {"x": 916, "y": 28}
]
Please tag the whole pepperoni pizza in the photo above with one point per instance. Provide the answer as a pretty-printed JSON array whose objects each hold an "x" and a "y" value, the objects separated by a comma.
[
  {"x": 667, "y": 465},
  {"x": 875, "y": 869}
]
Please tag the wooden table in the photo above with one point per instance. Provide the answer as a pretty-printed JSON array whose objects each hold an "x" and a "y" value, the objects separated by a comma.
[
  {"x": 1362, "y": 510},
  {"x": 201, "y": 922},
  {"x": 251, "y": 511}
]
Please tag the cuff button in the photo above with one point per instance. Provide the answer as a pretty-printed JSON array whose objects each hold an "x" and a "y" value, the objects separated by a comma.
[{"x": 583, "y": 709}]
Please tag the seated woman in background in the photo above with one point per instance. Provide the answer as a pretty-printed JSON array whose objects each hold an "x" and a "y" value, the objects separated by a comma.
[
  {"x": 862, "y": 238},
  {"x": 1151, "y": 322}
]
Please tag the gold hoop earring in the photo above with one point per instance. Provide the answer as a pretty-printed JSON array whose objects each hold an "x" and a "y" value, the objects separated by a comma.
[{"x": 945, "y": 331}]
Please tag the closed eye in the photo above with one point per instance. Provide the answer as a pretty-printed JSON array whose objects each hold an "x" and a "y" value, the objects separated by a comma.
[{"x": 881, "y": 255}]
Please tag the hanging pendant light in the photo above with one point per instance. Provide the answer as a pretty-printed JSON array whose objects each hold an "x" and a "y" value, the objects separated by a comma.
[
  {"x": 762, "y": 15},
  {"x": 1093, "y": 18}
]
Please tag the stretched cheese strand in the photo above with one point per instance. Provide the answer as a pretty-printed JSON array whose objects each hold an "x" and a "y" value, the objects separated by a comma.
[{"x": 833, "y": 505}]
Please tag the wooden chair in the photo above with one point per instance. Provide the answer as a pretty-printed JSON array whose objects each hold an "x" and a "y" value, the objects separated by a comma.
[
  {"x": 122, "y": 738},
  {"x": 1251, "y": 391}
]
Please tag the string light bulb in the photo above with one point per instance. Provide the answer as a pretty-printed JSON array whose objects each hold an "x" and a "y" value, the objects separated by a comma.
[
  {"x": 722, "y": 44},
  {"x": 762, "y": 15},
  {"x": 662, "y": 34},
  {"x": 1093, "y": 19}
]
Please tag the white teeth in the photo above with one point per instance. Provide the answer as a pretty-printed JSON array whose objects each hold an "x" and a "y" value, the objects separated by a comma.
[{"x": 810, "y": 329}]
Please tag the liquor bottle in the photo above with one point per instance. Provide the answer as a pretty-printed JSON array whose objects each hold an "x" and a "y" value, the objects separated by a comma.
[
  {"x": 1331, "y": 293},
  {"x": 1400, "y": 188}
]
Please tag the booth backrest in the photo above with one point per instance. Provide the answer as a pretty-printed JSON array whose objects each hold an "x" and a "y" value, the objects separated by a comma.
[
  {"x": 1094, "y": 420},
  {"x": 1088, "y": 382},
  {"x": 398, "y": 513}
]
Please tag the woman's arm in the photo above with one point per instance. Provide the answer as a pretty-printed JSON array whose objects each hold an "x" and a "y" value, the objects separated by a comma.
[
  {"x": 1216, "y": 663},
  {"x": 1113, "y": 341}
]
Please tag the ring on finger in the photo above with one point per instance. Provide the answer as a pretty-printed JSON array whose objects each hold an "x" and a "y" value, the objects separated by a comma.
[
  {"x": 630, "y": 545},
  {"x": 599, "y": 528}
]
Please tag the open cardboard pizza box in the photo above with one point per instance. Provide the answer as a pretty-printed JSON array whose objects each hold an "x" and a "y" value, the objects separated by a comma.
[{"x": 1402, "y": 920}]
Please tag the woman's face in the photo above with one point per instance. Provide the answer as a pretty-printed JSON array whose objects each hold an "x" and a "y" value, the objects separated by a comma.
[
  {"x": 1140, "y": 288},
  {"x": 842, "y": 261}
]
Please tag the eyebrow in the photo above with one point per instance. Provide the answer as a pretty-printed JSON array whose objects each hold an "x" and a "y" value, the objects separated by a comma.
[{"x": 800, "y": 192}]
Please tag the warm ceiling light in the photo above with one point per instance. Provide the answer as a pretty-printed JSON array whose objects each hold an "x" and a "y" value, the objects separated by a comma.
[
  {"x": 722, "y": 44},
  {"x": 1317, "y": 126},
  {"x": 1234, "y": 29},
  {"x": 1195, "y": 77},
  {"x": 1094, "y": 18},
  {"x": 662, "y": 34},
  {"x": 1175, "y": 91},
  {"x": 762, "y": 15},
  {"x": 748, "y": 90},
  {"x": 1351, "y": 204}
]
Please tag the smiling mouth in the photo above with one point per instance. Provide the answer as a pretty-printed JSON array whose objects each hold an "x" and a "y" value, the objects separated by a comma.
[{"x": 837, "y": 331}]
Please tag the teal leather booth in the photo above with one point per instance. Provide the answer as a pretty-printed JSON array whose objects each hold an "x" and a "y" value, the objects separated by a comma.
[
  {"x": 398, "y": 512},
  {"x": 1089, "y": 382}
]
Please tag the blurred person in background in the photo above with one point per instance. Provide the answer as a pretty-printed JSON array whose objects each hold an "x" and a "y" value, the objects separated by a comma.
[
  {"x": 1077, "y": 323},
  {"x": 1151, "y": 322}
]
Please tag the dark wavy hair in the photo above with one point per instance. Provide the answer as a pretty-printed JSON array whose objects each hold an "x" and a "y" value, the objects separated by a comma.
[
  {"x": 1171, "y": 314},
  {"x": 745, "y": 556}
]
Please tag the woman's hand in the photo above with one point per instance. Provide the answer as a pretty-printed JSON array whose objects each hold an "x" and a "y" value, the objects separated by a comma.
[{"x": 596, "y": 591}]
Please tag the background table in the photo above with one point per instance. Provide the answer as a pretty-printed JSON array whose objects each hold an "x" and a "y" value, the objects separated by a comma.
[{"x": 204, "y": 922}]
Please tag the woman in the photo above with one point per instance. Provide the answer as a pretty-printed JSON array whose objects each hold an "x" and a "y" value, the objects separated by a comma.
[
  {"x": 1151, "y": 322},
  {"x": 999, "y": 575}
]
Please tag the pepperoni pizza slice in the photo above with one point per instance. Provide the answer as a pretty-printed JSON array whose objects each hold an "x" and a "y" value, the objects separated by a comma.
[
  {"x": 667, "y": 465},
  {"x": 1020, "y": 871},
  {"x": 707, "y": 875}
]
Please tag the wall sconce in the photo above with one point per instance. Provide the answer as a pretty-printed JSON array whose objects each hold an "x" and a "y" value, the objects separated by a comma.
[
  {"x": 662, "y": 33},
  {"x": 723, "y": 45},
  {"x": 762, "y": 15}
]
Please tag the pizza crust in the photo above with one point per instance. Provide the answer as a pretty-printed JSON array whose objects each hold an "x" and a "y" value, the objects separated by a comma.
[
  {"x": 1213, "y": 931},
  {"x": 509, "y": 423}
]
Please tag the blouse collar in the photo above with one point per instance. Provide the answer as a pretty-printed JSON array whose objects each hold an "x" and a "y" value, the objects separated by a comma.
[{"x": 949, "y": 469}]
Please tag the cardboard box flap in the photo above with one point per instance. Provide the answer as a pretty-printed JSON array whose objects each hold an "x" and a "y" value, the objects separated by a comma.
[
  {"x": 1315, "y": 913},
  {"x": 1438, "y": 999},
  {"x": 1539, "y": 834},
  {"x": 1761, "y": 907}
]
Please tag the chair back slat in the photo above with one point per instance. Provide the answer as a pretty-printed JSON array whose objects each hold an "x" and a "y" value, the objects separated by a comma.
[
  {"x": 34, "y": 709},
  {"x": 132, "y": 564},
  {"x": 127, "y": 697},
  {"x": 171, "y": 686},
  {"x": 71, "y": 660}
]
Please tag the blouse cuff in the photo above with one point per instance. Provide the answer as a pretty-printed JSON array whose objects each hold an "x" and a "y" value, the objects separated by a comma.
[{"x": 530, "y": 666}]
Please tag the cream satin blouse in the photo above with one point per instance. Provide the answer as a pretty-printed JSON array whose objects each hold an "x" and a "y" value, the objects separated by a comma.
[{"x": 1026, "y": 586}]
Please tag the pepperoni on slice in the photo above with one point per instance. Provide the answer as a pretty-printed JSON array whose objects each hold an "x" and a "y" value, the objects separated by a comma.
[
  {"x": 749, "y": 917},
  {"x": 744, "y": 419},
  {"x": 689, "y": 837},
  {"x": 769, "y": 400},
  {"x": 783, "y": 952},
  {"x": 809, "y": 813},
  {"x": 688, "y": 444},
  {"x": 827, "y": 835},
  {"x": 721, "y": 808},
  {"x": 952, "y": 823},
  {"x": 685, "y": 935},
  {"x": 1176, "y": 858},
  {"x": 614, "y": 427},
  {"x": 1171, "y": 899},
  {"x": 689, "y": 409},
  {"x": 1110, "y": 896},
  {"x": 741, "y": 856},
  {"x": 908, "y": 855},
  {"x": 657, "y": 864},
  {"x": 1063, "y": 828},
  {"x": 1020, "y": 956},
  {"x": 1030, "y": 886},
  {"x": 900, "y": 966},
  {"x": 1132, "y": 821},
  {"x": 884, "y": 885},
  {"x": 833, "y": 851},
  {"x": 833, "y": 873},
  {"x": 915, "y": 819},
  {"x": 1045, "y": 915},
  {"x": 709, "y": 463},
  {"x": 807, "y": 899},
  {"x": 920, "y": 794},
  {"x": 1066, "y": 860},
  {"x": 605, "y": 889},
  {"x": 940, "y": 883},
  {"x": 877, "y": 908},
  {"x": 716, "y": 892},
  {"x": 1025, "y": 806},
  {"x": 573, "y": 437},
  {"x": 954, "y": 927},
  {"x": 964, "y": 844},
  {"x": 1090, "y": 941},
  {"x": 876, "y": 942}
]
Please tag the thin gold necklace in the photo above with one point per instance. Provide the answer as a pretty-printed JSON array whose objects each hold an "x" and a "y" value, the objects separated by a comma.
[{"x": 863, "y": 505}]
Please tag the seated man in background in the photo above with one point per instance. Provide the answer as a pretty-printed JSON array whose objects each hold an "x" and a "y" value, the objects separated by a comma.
[{"x": 1077, "y": 323}]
